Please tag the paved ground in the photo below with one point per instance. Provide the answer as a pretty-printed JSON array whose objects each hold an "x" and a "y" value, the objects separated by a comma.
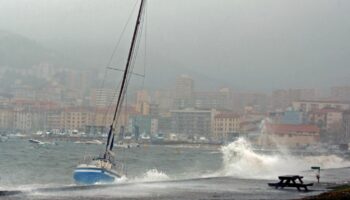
[{"x": 201, "y": 189}]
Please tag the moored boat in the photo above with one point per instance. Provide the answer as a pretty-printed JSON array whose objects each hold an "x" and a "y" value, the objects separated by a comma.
[
  {"x": 98, "y": 170},
  {"x": 34, "y": 141},
  {"x": 104, "y": 169}
]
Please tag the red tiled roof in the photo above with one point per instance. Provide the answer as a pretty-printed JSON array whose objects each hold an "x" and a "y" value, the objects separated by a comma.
[{"x": 291, "y": 128}]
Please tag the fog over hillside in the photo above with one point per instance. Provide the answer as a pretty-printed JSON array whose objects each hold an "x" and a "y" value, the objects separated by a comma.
[
  {"x": 18, "y": 51},
  {"x": 253, "y": 45}
]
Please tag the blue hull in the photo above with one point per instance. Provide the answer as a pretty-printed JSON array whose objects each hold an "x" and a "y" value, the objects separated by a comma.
[{"x": 90, "y": 176}]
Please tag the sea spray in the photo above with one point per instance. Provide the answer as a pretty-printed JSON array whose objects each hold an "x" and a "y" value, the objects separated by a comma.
[
  {"x": 239, "y": 160},
  {"x": 152, "y": 175},
  {"x": 122, "y": 179}
]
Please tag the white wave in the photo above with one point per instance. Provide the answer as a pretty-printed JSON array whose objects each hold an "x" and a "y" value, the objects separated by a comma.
[
  {"x": 153, "y": 175},
  {"x": 122, "y": 179},
  {"x": 239, "y": 160}
]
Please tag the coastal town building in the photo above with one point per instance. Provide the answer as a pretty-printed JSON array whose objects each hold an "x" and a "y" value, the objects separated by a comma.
[
  {"x": 307, "y": 106},
  {"x": 225, "y": 124},
  {"x": 54, "y": 119},
  {"x": 287, "y": 117},
  {"x": 290, "y": 135},
  {"x": 164, "y": 99},
  {"x": 23, "y": 119},
  {"x": 143, "y": 124},
  {"x": 101, "y": 97},
  {"x": 6, "y": 118},
  {"x": 346, "y": 125},
  {"x": 143, "y": 102},
  {"x": 282, "y": 99},
  {"x": 213, "y": 100},
  {"x": 192, "y": 122},
  {"x": 326, "y": 118},
  {"x": 184, "y": 92},
  {"x": 75, "y": 118}
]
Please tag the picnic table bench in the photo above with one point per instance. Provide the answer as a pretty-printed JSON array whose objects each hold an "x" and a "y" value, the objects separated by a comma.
[{"x": 291, "y": 181}]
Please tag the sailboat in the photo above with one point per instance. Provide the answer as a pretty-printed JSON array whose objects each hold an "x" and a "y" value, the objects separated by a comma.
[{"x": 104, "y": 168}]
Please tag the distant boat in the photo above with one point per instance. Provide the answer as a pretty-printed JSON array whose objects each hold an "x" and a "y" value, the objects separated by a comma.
[
  {"x": 35, "y": 141},
  {"x": 127, "y": 145},
  {"x": 89, "y": 142},
  {"x": 105, "y": 169},
  {"x": 16, "y": 135},
  {"x": 145, "y": 136}
]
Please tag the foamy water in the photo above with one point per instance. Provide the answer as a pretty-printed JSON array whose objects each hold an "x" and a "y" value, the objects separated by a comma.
[
  {"x": 26, "y": 167},
  {"x": 151, "y": 175},
  {"x": 239, "y": 160}
]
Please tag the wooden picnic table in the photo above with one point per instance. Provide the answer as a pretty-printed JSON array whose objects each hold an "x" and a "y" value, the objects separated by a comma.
[{"x": 291, "y": 181}]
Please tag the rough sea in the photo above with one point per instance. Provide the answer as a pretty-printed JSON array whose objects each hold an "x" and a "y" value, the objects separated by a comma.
[{"x": 235, "y": 171}]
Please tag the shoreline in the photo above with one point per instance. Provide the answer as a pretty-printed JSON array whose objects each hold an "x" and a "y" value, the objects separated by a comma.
[{"x": 339, "y": 192}]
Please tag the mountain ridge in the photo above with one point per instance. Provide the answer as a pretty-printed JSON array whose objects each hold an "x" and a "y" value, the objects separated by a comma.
[{"x": 20, "y": 52}]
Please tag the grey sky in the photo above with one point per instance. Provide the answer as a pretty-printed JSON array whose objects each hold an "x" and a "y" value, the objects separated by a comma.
[{"x": 247, "y": 44}]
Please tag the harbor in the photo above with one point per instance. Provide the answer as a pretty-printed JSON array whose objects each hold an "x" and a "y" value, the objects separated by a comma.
[
  {"x": 173, "y": 100},
  {"x": 164, "y": 172}
]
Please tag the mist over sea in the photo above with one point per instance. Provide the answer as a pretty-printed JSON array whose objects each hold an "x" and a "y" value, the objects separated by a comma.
[{"x": 168, "y": 172}]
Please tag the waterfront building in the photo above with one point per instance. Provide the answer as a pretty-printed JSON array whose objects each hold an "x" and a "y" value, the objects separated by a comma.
[
  {"x": 287, "y": 117},
  {"x": 164, "y": 124},
  {"x": 326, "y": 118},
  {"x": 154, "y": 126},
  {"x": 54, "y": 119},
  {"x": 192, "y": 122},
  {"x": 346, "y": 125},
  {"x": 290, "y": 135},
  {"x": 225, "y": 124},
  {"x": 142, "y": 124},
  {"x": 23, "y": 119},
  {"x": 292, "y": 117},
  {"x": 6, "y": 118},
  {"x": 75, "y": 118}
]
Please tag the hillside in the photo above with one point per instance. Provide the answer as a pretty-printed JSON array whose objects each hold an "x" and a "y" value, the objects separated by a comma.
[{"x": 18, "y": 51}]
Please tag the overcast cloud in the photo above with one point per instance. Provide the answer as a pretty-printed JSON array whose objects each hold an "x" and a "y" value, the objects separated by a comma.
[{"x": 244, "y": 44}]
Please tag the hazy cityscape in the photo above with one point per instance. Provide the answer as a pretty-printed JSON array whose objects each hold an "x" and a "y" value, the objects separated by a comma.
[
  {"x": 161, "y": 99},
  {"x": 43, "y": 99}
]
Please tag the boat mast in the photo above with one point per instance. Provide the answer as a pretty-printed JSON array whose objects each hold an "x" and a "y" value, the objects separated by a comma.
[{"x": 126, "y": 73}]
